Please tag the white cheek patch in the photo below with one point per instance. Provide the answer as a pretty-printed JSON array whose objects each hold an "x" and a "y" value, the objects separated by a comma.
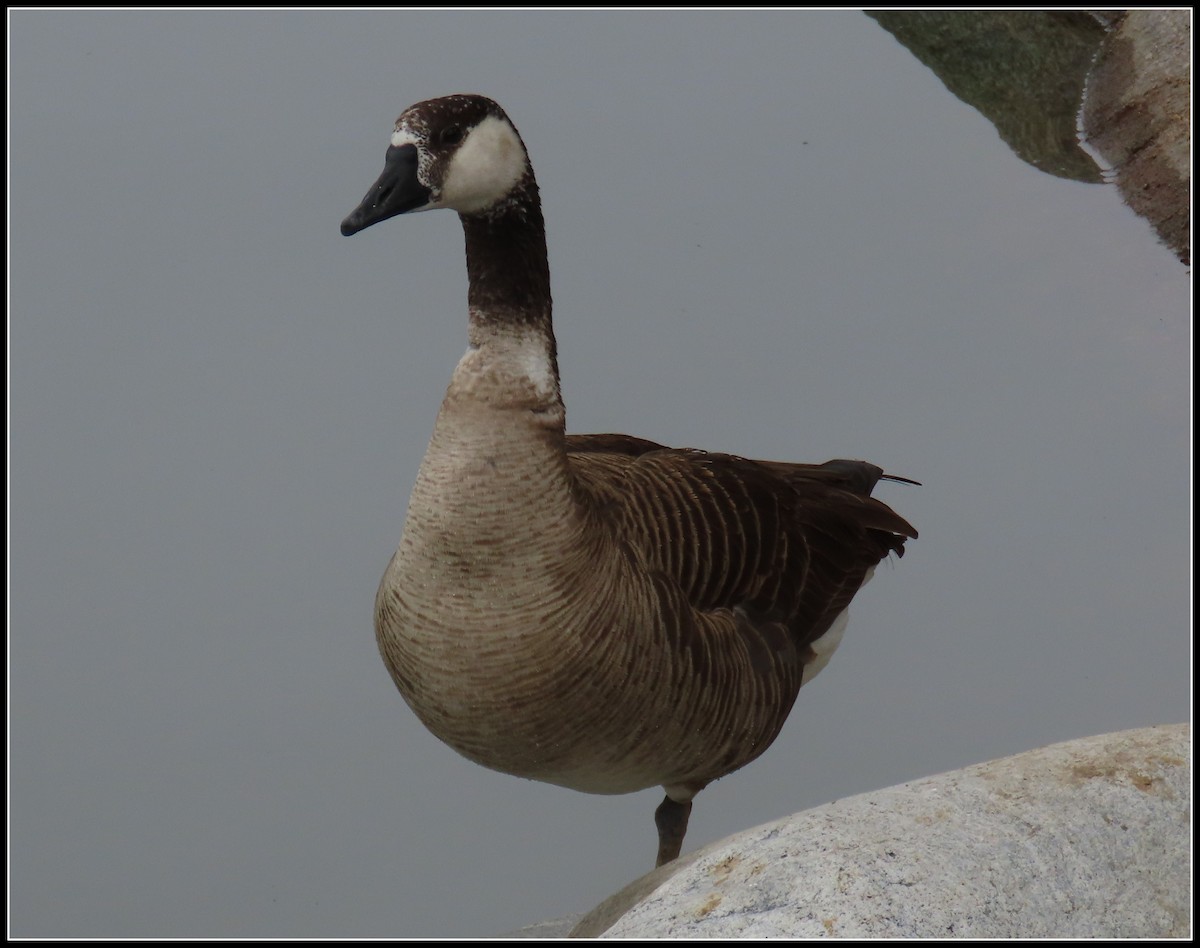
[{"x": 485, "y": 168}]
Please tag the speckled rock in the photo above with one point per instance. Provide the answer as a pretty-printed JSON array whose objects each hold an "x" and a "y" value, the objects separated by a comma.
[{"x": 1089, "y": 838}]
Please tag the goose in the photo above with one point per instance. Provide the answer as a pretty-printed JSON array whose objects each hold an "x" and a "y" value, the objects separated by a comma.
[{"x": 598, "y": 612}]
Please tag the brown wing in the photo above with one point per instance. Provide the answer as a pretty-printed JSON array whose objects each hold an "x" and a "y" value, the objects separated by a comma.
[{"x": 781, "y": 543}]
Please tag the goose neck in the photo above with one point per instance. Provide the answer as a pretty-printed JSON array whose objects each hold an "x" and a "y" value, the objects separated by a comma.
[{"x": 508, "y": 269}]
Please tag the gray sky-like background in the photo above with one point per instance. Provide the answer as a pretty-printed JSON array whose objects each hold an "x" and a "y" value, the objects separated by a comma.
[{"x": 773, "y": 234}]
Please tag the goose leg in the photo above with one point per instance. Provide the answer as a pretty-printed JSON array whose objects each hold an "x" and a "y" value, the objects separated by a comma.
[{"x": 671, "y": 818}]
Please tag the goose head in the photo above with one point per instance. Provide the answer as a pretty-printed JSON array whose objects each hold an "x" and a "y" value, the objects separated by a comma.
[{"x": 460, "y": 152}]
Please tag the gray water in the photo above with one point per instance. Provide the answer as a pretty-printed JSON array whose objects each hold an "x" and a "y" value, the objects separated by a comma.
[{"x": 772, "y": 234}]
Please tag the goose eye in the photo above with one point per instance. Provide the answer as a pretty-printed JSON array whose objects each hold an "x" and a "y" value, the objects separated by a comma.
[{"x": 452, "y": 135}]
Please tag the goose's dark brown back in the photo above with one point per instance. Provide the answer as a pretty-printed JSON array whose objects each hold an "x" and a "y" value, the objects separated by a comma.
[{"x": 783, "y": 543}]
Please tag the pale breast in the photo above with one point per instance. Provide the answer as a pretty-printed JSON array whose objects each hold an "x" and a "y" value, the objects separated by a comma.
[{"x": 525, "y": 639}]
